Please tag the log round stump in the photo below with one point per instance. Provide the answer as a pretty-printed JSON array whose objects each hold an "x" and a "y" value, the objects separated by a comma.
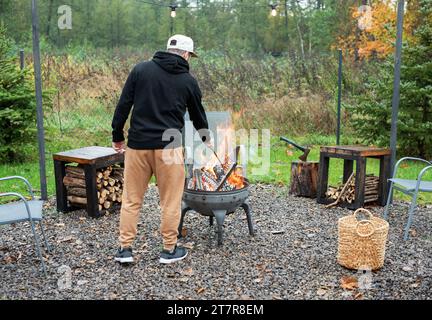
[{"x": 304, "y": 178}]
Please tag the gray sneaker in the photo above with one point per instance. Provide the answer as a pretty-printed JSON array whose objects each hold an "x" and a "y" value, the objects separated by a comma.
[
  {"x": 177, "y": 254},
  {"x": 124, "y": 255}
]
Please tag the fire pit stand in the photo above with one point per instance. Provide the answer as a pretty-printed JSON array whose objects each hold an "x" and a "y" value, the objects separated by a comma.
[{"x": 217, "y": 205}]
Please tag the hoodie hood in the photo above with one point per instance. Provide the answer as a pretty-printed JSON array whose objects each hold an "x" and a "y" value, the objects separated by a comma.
[{"x": 171, "y": 62}]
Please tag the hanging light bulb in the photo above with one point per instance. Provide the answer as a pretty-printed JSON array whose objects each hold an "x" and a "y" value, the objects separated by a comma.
[
  {"x": 173, "y": 11},
  {"x": 273, "y": 10}
]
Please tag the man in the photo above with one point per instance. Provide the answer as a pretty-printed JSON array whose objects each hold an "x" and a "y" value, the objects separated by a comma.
[{"x": 160, "y": 91}]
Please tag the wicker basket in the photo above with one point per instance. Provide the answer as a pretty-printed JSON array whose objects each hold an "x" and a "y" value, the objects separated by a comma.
[{"x": 361, "y": 243}]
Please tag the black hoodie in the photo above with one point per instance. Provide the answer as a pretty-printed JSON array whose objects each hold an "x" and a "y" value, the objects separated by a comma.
[{"x": 161, "y": 91}]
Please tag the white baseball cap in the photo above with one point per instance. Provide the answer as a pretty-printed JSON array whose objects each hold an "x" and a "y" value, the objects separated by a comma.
[{"x": 181, "y": 42}]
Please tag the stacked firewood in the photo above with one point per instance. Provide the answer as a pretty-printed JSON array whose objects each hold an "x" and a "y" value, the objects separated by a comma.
[
  {"x": 348, "y": 194},
  {"x": 109, "y": 183}
]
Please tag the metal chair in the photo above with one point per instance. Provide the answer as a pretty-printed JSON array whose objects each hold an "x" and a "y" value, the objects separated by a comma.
[
  {"x": 409, "y": 187},
  {"x": 24, "y": 210}
]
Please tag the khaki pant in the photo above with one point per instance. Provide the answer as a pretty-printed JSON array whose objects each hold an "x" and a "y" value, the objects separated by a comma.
[{"x": 168, "y": 168}]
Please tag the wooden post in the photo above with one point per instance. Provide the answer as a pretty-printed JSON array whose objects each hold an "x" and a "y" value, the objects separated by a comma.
[
  {"x": 384, "y": 175},
  {"x": 360, "y": 181},
  {"x": 323, "y": 177},
  {"x": 304, "y": 179},
  {"x": 61, "y": 193}
]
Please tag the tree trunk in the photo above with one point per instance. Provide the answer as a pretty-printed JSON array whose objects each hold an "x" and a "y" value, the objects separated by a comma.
[{"x": 304, "y": 179}]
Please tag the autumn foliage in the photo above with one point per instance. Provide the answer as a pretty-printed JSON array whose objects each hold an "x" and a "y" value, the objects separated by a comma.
[{"x": 372, "y": 33}]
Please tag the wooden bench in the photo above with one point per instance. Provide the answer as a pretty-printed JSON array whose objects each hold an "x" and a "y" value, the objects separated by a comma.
[
  {"x": 350, "y": 154},
  {"x": 91, "y": 159}
]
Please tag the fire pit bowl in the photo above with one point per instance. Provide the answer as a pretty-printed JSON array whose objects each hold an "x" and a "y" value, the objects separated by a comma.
[{"x": 217, "y": 204}]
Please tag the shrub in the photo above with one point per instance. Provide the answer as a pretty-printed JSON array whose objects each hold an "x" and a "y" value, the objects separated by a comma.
[{"x": 17, "y": 105}]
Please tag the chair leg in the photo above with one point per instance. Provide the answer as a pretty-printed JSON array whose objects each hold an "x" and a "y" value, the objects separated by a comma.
[
  {"x": 389, "y": 201},
  {"x": 37, "y": 245},
  {"x": 47, "y": 247},
  {"x": 410, "y": 216}
]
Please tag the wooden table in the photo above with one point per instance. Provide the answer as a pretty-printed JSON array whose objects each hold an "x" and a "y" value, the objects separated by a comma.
[
  {"x": 91, "y": 159},
  {"x": 350, "y": 154}
]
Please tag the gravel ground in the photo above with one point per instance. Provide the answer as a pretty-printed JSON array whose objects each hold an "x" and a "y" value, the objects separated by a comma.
[{"x": 299, "y": 263}]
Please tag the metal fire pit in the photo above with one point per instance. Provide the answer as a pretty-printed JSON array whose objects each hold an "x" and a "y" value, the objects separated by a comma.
[{"x": 216, "y": 205}]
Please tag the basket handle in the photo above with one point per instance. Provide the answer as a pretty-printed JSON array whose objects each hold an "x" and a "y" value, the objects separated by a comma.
[
  {"x": 364, "y": 222},
  {"x": 369, "y": 214}
]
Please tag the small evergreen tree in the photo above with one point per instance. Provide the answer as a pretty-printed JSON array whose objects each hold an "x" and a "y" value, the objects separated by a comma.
[
  {"x": 372, "y": 116},
  {"x": 17, "y": 105}
]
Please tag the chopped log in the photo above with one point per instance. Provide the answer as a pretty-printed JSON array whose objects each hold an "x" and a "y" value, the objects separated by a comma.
[
  {"x": 77, "y": 200},
  {"x": 100, "y": 207},
  {"x": 99, "y": 175},
  {"x": 107, "y": 204},
  {"x": 74, "y": 170},
  {"x": 304, "y": 178},
  {"x": 105, "y": 183},
  {"x": 79, "y": 192},
  {"x": 111, "y": 182},
  {"x": 74, "y": 182},
  {"x": 104, "y": 193},
  {"x": 102, "y": 200}
]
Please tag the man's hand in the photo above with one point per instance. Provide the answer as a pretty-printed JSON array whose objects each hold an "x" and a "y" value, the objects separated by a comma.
[
  {"x": 209, "y": 144},
  {"x": 119, "y": 147}
]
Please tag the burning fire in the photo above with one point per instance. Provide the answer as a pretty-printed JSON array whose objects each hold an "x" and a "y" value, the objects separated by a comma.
[
  {"x": 217, "y": 176},
  {"x": 236, "y": 178}
]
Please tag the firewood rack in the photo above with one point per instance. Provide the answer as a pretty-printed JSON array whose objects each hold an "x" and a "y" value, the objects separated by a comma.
[
  {"x": 359, "y": 154},
  {"x": 91, "y": 159}
]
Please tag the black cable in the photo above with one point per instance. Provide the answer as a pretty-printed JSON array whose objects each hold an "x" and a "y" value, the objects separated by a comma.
[{"x": 216, "y": 4}]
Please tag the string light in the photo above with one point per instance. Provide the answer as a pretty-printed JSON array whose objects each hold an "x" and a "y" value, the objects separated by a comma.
[
  {"x": 173, "y": 10},
  {"x": 273, "y": 9}
]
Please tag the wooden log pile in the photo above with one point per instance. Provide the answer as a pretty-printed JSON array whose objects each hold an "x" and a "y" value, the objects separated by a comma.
[
  {"x": 347, "y": 194},
  {"x": 109, "y": 182}
]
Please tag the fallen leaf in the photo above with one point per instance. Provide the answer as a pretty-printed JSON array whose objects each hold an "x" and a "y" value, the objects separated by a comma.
[
  {"x": 59, "y": 225},
  {"x": 321, "y": 291},
  {"x": 349, "y": 283},
  {"x": 91, "y": 261},
  {"x": 407, "y": 269},
  {"x": 82, "y": 218},
  {"x": 188, "y": 272},
  {"x": 245, "y": 297},
  {"x": 261, "y": 266},
  {"x": 276, "y": 297},
  {"x": 200, "y": 290},
  {"x": 358, "y": 296},
  {"x": 258, "y": 280},
  {"x": 184, "y": 232},
  {"x": 184, "y": 279}
]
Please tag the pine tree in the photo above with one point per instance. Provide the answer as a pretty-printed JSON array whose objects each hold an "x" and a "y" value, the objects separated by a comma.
[{"x": 17, "y": 106}]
